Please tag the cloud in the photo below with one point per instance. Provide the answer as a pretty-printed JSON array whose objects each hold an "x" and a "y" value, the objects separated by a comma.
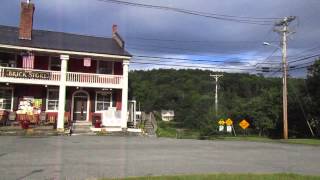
[{"x": 181, "y": 34}]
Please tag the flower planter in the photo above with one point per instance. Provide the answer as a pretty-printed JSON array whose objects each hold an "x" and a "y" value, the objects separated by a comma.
[
  {"x": 25, "y": 124},
  {"x": 97, "y": 124}
]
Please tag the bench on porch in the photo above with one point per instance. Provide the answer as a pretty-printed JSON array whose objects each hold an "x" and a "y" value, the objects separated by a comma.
[{"x": 52, "y": 118}]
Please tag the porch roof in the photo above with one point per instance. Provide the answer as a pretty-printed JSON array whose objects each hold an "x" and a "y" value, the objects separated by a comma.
[{"x": 62, "y": 42}]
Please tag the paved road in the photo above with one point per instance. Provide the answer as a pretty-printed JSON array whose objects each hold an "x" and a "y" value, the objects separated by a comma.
[{"x": 82, "y": 157}]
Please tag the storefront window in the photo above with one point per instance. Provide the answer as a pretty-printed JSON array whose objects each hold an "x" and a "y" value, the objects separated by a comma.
[
  {"x": 52, "y": 99},
  {"x": 7, "y": 60},
  {"x": 6, "y": 99},
  {"x": 103, "y": 101},
  {"x": 105, "y": 67},
  {"x": 55, "y": 64}
]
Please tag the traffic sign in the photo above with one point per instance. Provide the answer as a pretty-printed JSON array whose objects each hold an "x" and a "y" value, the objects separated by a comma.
[
  {"x": 221, "y": 122},
  {"x": 229, "y": 129},
  {"x": 229, "y": 122},
  {"x": 244, "y": 124}
]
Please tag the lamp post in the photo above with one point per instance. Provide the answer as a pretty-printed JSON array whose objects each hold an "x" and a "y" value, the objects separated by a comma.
[{"x": 284, "y": 87}]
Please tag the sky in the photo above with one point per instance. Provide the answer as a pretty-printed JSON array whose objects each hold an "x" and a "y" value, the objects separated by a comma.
[{"x": 162, "y": 38}]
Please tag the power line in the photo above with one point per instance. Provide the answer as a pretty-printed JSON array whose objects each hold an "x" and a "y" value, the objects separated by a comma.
[
  {"x": 238, "y": 19},
  {"x": 197, "y": 61},
  {"x": 193, "y": 41},
  {"x": 190, "y": 66},
  {"x": 304, "y": 58},
  {"x": 185, "y": 59},
  {"x": 297, "y": 55},
  {"x": 273, "y": 52},
  {"x": 178, "y": 50}
]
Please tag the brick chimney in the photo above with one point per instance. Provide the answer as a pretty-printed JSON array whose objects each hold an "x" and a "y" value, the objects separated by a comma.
[
  {"x": 116, "y": 36},
  {"x": 114, "y": 29},
  {"x": 26, "y": 20}
]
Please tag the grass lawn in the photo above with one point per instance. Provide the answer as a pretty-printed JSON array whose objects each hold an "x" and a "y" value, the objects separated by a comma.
[
  {"x": 315, "y": 142},
  {"x": 226, "y": 177},
  {"x": 168, "y": 129}
]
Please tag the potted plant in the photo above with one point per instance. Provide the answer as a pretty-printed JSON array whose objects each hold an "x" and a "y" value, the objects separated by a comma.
[
  {"x": 25, "y": 124},
  {"x": 97, "y": 123}
]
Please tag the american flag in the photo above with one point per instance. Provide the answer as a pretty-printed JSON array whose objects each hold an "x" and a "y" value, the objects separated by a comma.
[{"x": 28, "y": 61}]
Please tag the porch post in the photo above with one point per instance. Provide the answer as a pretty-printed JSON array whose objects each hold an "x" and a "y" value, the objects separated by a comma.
[
  {"x": 124, "y": 99},
  {"x": 62, "y": 92}
]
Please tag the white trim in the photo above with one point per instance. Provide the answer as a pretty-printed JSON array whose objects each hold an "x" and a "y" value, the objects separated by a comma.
[
  {"x": 124, "y": 96},
  {"x": 88, "y": 104},
  {"x": 12, "y": 98},
  {"x": 95, "y": 103},
  {"x": 64, "y": 52},
  {"x": 47, "y": 99}
]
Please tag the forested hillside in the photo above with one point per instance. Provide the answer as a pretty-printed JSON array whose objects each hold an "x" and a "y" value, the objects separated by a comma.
[{"x": 190, "y": 93}]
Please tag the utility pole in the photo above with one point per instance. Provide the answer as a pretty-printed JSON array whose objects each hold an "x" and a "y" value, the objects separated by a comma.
[
  {"x": 216, "y": 76},
  {"x": 283, "y": 24}
]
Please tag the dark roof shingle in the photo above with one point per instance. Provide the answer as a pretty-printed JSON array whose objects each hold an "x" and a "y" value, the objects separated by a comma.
[{"x": 62, "y": 41}]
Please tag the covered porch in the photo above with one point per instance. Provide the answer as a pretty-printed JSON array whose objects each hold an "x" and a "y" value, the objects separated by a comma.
[
  {"x": 38, "y": 105},
  {"x": 80, "y": 93}
]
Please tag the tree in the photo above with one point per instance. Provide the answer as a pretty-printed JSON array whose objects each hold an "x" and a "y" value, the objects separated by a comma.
[
  {"x": 313, "y": 92},
  {"x": 190, "y": 93}
]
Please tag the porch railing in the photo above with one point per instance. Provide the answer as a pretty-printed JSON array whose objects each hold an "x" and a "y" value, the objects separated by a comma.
[
  {"x": 20, "y": 75},
  {"x": 93, "y": 78}
]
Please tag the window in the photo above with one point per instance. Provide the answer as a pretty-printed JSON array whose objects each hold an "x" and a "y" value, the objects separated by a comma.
[
  {"x": 52, "y": 99},
  {"x": 55, "y": 64},
  {"x": 7, "y": 60},
  {"x": 105, "y": 67},
  {"x": 6, "y": 98},
  {"x": 103, "y": 101}
]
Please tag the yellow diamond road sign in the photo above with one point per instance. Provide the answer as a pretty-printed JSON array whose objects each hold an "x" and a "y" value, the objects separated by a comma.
[
  {"x": 221, "y": 122},
  {"x": 229, "y": 122},
  {"x": 244, "y": 124}
]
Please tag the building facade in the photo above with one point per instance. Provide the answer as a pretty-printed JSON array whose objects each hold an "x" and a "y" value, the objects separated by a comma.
[
  {"x": 167, "y": 115},
  {"x": 65, "y": 76}
]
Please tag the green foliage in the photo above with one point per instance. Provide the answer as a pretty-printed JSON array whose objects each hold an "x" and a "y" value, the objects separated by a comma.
[
  {"x": 313, "y": 95},
  {"x": 190, "y": 93},
  {"x": 166, "y": 129}
]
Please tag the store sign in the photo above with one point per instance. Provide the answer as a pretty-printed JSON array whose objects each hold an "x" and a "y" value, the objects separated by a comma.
[
  {"x": 87, "y": 62},
  {"x": 25, "y": 74}
]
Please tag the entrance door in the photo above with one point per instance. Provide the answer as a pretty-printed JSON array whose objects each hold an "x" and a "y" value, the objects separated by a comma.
[{"x": 80, "y": 106}]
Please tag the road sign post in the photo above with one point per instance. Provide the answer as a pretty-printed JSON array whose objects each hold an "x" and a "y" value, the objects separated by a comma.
[
  {"x": 244, "y": 125},
  {"x": 229, "y": 123},
  {"x": 221, "y": 123}
]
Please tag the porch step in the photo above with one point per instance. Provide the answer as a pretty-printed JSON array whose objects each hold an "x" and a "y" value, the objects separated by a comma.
[
  {"x": 130, "y": 125},
  {"x": 82, "y": 123},
  {"x": 82, "y": 127}
]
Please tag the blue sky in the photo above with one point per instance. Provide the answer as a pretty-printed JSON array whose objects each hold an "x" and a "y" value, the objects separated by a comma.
[{"x": 161, "y": 33}]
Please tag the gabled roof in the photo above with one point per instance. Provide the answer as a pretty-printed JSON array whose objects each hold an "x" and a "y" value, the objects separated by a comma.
[{"x": 62, "y": 41}]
